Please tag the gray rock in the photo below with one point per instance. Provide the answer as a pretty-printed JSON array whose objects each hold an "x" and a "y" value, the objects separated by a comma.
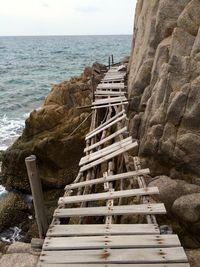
[
  {"x": 187, "y": 208},
  {"x": 170, "y": 189},
  {"x": 19, "y": 247},
  {"x": 193, "y": 257},
  {"x": 18, "y": 260}
]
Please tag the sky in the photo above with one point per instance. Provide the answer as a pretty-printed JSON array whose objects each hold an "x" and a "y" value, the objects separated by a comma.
[{"x": 66, "y": 17}]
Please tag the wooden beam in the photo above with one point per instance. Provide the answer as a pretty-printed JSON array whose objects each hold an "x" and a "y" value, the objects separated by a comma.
[
  {"x": 109, "y": 100},
  {"x": 113, "y": 265},
  {"x": 109, "y": 156},
  {"x": 102, "y": 229},
  {"x": 109, "y": 178},
  {"x": 111, "y": 86},
  {"x": 140, "y": 209}
]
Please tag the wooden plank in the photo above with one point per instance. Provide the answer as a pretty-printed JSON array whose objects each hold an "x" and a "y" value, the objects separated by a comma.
[
  {"x": 109, "y": 195},
  {"x": 107, "y": 157},
  {"x": 102, "y": 229},
  {"x": 145, "y": 255},
  {"x": 98, "y": 242},
  {"x": 112, "y": 79},
  {"x": 111, "y": 86},
  {"x": 109, "y": 100},
  {"x": 140, "y": 209},
  {"x": 110, "y": 105},
  {"x": 104, "y": 151},
  {"x": 113, "y": 265},
  {"x": 108, "y": 138},
  {"x": 122, "y": 113},
  {"x": 109, "y": 178},
  {"x": 97, "y": 131},
  {"x": 109, "y": 93}
]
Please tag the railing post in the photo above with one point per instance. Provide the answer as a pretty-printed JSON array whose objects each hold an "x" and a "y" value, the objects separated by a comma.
[
  {"x": 109, "y": 62},
  {"x": 38, "y": 199},
  {"x": 112, "y": 57}
]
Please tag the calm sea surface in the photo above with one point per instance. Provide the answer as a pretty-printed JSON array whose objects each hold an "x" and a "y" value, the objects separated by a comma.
[{"x": 29, "y": 65}]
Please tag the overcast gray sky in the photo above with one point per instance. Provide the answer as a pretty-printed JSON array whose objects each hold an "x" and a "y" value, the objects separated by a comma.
[{"x": 66, "y": 17}]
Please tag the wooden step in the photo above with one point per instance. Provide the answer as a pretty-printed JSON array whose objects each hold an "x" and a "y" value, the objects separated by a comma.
[
  {"x": 111, "y": 120},
  {"x": 143, "y": 256},
  {"x": 109, "y": 195},
  {"x": 109, "y": 100},
  {"x": 109, "y": 178},
  {"x": 102, "y": 229},
  {"x": 113, "y": 265},
  {"x": 111, "y": 86},
  {"x": 109, "y": 156},
  {"x": 98, "y": 242},
  {"x": 109, "y": 93},
  {"x": 108, "y": 138},
  {"x": 105, "y": 151},
  {"x": 141, "y": 209},
  {"x": 110, "y": 105}
]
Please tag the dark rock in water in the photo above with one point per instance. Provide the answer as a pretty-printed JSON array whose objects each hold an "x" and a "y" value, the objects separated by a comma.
[
  {"x": 47, "y": 134},
  {"x": 13, "y": 210}
]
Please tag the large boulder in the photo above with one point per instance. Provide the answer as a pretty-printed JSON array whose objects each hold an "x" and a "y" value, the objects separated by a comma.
[
  {"x": 187, "y": 208},
  {"x": 13, "y": 210},
  {"x": 50, "y": 133},
  {"x": 170, "y": 190},
  {"x": 164, "y": 80}
]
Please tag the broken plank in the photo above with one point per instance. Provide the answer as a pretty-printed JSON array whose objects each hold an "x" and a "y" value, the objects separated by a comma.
[
  {"x": 140, "y": 209},
  {"x": 105, "y": 151},
  {"x": 106, "y": 126},
  {"x": 109, "y": 178},
  {"x": 102, "y": 229},
  {"x": 109, "y": 195},
  {"x": 109, "y": 100},
  {"x": 145, "y": 255},
  {"x": 109, "y": 156},
  {"x": 108, "y": 138},
  {"x": 110, "y": 105}
]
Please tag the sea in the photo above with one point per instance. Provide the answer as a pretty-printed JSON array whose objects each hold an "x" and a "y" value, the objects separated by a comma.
[{"x": 29, "y": 66}]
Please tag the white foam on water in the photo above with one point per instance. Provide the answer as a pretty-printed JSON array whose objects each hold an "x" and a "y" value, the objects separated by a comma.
[{"x": 10, "y": 129}]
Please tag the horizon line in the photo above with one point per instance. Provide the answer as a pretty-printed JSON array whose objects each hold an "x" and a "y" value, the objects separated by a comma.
[{"x": 62, "y": 35}]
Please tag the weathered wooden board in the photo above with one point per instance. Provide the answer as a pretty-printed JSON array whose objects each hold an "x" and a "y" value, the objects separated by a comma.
[
  {"x": 109, "y": 195},
  {"x": 109, "y": 93},
  {"x": 108, "y": 138},
  {"x": 111, "y": 86},
  {"x": 98, "y": 242},
  {"x": 109, "y": 156},
  {"x": 114, "y": 265},
  {"x": 120, "y": 114},
  {"x": 140, "y": 209},
  {"x": 104, "y": 151},
  {"x": 144, "y": 255},
  {"x": 102, "y": 229},
  {"x": 111, "y": 105},
  {"x": 109, "y": 100},
  {"x": 109, "y": 178}
]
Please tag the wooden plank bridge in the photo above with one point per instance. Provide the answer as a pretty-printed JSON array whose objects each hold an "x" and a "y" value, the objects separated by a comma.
[{"x": 93, "y": 224}]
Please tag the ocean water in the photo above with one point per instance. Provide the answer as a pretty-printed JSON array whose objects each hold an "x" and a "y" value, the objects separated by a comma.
[{"x": 30, "y": 65}]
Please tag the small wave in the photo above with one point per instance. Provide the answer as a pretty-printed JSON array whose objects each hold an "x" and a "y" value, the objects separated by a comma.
[
  {"x": 58, "y": 52},
  {"x": 10, "y": 129}
]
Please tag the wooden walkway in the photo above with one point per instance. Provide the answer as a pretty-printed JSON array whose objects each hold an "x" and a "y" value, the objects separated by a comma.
[{"x": 93, "y": 224}]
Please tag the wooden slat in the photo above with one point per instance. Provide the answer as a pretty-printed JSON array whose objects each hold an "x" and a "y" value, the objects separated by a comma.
[
  {"x": 109, "y": 93},
  {"x": 109, "y": 178},
  {"x": 102, "y": 229},
  {"x": 109, "y": 156},
  {"x": 110, "y": 105},
  {"x": 97, "y": 242},
  {"x": 109, "y": 195},
  {"x": 140, "y": 209},
  {"x": 122, "y": 113},
  {"x": 145, "y": 255},
  {"x": 97, "y": 131},
  {"x": 111, "y": 86},
  {"x": 109, "y": 100},
  {"x": 114, "y": 265},
  {"x": 112, "y": 79},
  {"x": 104, "y": 151},
  {"x": 108, "y": 138}
]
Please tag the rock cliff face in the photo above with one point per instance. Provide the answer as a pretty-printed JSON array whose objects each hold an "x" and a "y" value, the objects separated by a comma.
[
  {"x": 49, "y": 134},
  {"x": 164, "y": 84}
]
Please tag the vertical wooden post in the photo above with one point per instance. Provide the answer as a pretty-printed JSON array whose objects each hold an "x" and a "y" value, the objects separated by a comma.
[
  {"x": 38, "y": 200},
  {"x": 109, "y": 62},
  {"x": 112, "y": 59}
]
